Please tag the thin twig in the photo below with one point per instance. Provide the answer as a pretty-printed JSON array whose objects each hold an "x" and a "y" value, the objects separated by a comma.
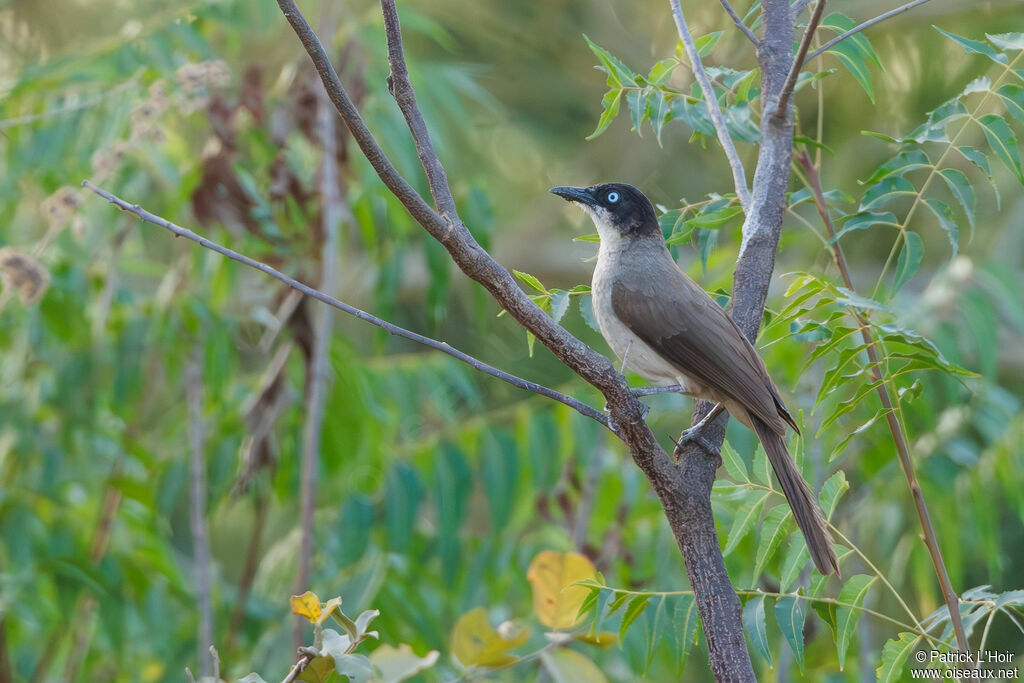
[
  {"x": 798, "y": 63},
  {"x": 739, "y": 23},
  {"x": 197, "y": 507},
  {"x": 739, "y": 176},
  {"x": 860, "y": 27},
  {"x": 391, "y": 328},
  {"x": 405, "y": 96},
  {"x": 902, "y": 448}
]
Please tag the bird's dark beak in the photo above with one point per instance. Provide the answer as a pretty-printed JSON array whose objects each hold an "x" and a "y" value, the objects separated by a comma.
[{"x": 579, "y": 195}]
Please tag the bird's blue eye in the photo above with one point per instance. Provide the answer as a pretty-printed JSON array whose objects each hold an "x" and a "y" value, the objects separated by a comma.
[{"x": 613, "y": 197}]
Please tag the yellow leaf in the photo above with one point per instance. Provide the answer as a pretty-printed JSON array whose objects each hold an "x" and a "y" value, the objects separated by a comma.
[
  {"x": 555, "y": 600},
  {"x": 307, "y": 605},
  {"x": 602, "y": 639},
  {"x": 476, "y": 643},
  {"x": 329, "y": 606}
]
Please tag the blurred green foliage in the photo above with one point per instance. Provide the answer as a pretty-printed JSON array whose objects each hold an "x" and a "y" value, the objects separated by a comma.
[{"x": 438, "y": 487}]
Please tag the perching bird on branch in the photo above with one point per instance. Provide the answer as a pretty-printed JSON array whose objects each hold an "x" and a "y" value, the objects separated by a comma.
[{"x": 668, "y": 330}]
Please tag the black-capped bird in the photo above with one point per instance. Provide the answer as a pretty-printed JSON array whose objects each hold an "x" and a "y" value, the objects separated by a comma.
[{"x": 667, "y": 329}]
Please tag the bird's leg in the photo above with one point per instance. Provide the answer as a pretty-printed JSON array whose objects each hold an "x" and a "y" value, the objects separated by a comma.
[
  {"x": 622, "y": 370},
  {"x": 694, "y": 435},
  {"x": 625, "y": 357}
]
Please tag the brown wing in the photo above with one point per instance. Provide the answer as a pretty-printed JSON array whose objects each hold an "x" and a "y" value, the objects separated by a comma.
[{"x": 673, "y": 315}]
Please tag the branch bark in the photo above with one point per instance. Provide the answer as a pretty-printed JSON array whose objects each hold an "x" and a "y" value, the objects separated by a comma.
[{"x": 781, "y": 108}]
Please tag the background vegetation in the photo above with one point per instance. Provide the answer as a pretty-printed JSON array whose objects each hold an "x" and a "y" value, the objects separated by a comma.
[{"x": 438, "y": 488}]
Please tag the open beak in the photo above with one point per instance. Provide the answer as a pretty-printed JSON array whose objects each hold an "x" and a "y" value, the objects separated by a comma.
[{"x": 577, "y": 195}]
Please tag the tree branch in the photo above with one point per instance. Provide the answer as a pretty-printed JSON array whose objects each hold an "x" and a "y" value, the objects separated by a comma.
[
  {"x": 860, "y": 27},
  {"x": 683, "y": 491},
  {"x": 739, "y": 176},
  {"x": 781, "y": 109},
  {"x": 899, "y": 438},
  {"x": 391, "y": 328},
  {"x": 739, "y": 23}
]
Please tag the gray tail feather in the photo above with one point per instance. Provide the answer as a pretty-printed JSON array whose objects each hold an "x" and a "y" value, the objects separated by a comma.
[{"x": 805, "y": 507}]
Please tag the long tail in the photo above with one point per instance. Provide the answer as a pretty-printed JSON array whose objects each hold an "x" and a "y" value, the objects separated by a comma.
[{"x": 805, "y": 508}]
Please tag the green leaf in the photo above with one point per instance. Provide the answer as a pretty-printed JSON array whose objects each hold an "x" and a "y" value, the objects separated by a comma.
[
  {"x": 864, "y": 220},
  {"x": 909, "y": 259},
  {"x": 734, "y": 464},
  {"x": 743, "y": 522},
  {"x": 587, "y": 311},
  {"x": 754, "y": 625},
  {"x": 961, "y": 188},
  {"x": 980, "y": 160},
  {"x": 1003, "y": 143},
  {"x": 635, "y": 608},
  {"x": 974, "y": 46},
  {"x": 610, "y": 104},
  {"x": 853, "y": 593},
  {"x": 886, "y": 190},
  {"x": 637, "y": 101},
  {"x": 661, "y": 71},
  {"x": 1007, "y": 41},
  {"x": 774, "y": 528},
  {"x": 711, "y": 220},
  {"x": 760, "y": 467},
  {"x": 619, "y": 601},
  {"x": 840, "y": 23},
  {"x": 947, "y": 221},
  {"x": 904, "y": 162},
  {"x": 559, "y": 304},
  {"x": 1012, "y": 97},
  {"x": 789, "y": 613},
  {"x": 662, "y": 114},
  {"x": 356, "y": 667},
  {"x": 618, "y": 73},
  {"x": 853, "y": 61},
  {"x": 531, "y": 280},
  {"x": 894, "y": 656},
  {"x": 705, "y": 44},
  {"x": 685, "y": 621},
  {"x": 831, "y": 491},
  {"x": 797, "y": 557}
]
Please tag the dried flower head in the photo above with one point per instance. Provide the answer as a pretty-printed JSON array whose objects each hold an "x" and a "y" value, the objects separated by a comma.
[{"x": 24, "y": 274}]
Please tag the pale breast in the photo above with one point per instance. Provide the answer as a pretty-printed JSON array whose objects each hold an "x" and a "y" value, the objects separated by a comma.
[{"x": 642, "y": 359}]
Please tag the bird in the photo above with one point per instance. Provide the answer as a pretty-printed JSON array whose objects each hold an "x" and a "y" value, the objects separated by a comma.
[{"x": 668, "y": 330}]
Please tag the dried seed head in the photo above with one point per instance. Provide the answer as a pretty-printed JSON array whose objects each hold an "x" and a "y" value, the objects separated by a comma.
[{"x": 24, "y": 274}]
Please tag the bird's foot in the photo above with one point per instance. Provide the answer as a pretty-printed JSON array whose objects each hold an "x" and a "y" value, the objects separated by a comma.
[
  {"x": 612, "y": 425},
  {"x": 694, "y": 435}
]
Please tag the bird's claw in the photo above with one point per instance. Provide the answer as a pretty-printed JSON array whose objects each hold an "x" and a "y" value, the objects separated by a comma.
[
  {"x": 694, "y": 435},
  {"x": 612, "y": 425}
]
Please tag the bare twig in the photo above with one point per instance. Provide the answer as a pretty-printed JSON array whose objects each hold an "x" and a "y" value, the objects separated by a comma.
[
  {"x": 197, "y": 507},
  {"x": 739, "y": 176},
  {"x": 899, "y": 438},
  {"x": 782, "y": 107},
  {"x": 860, "y": 27},
  {"x": 739, "y": 23},
  {"x": 391, "y": 328}
]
